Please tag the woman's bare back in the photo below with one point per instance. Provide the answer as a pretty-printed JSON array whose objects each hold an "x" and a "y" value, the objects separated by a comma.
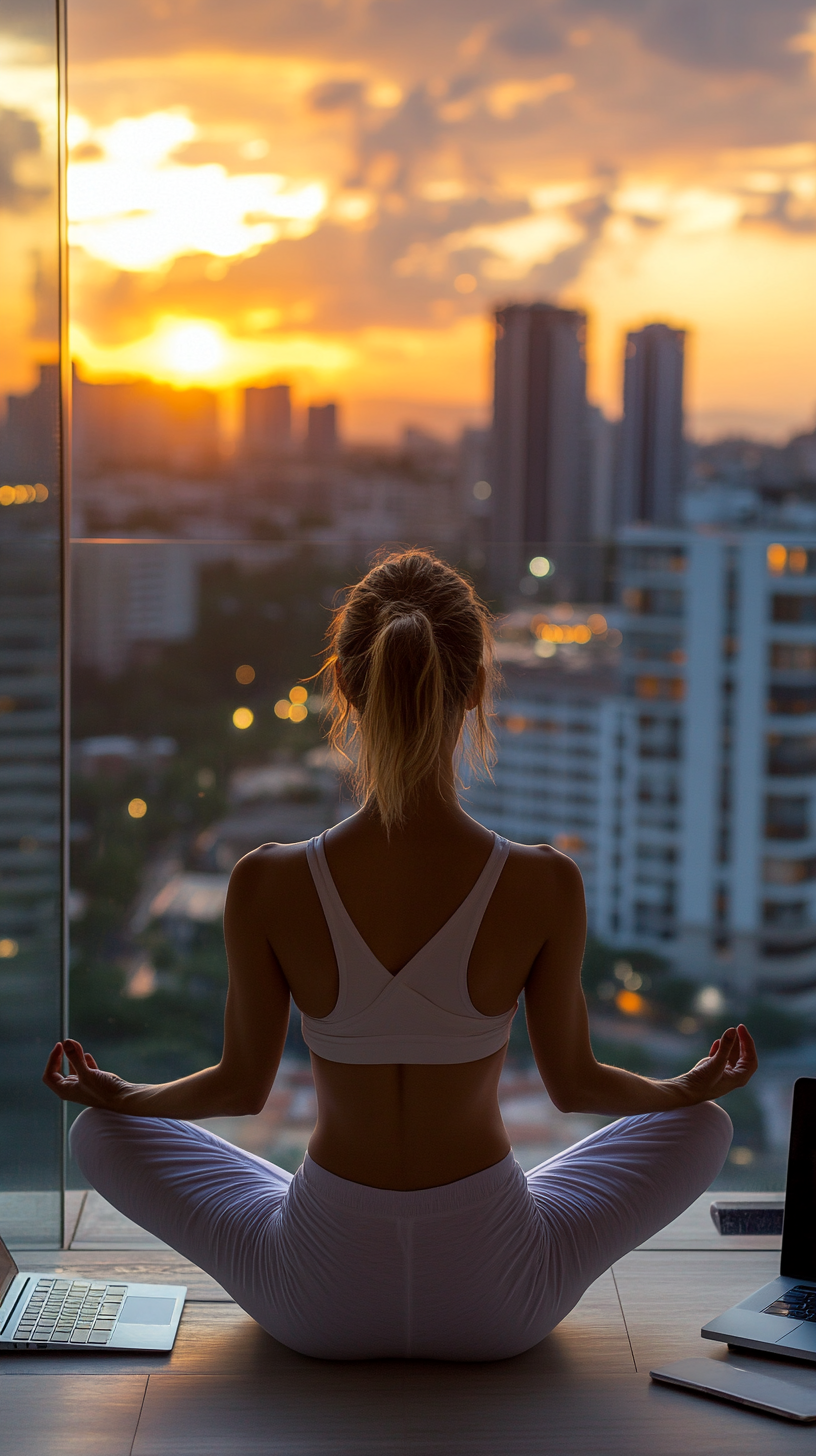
[{"x": 408, "y": 1126}]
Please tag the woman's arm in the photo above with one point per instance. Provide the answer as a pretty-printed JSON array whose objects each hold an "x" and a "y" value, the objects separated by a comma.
[
  {"x": 255, "y": 1023},
  {"x": 558, "y": 1024}
]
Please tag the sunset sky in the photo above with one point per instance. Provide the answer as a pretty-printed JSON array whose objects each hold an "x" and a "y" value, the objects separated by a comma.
[{"x": 337, "y": 192}]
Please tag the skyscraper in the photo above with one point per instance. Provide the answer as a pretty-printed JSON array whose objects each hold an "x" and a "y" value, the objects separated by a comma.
[
  {"x": 651, "y": 442},
  {"x": 321, "y": 429},
  {"x": 539, "y": 426},
  {"x": 267, "y": 420}
]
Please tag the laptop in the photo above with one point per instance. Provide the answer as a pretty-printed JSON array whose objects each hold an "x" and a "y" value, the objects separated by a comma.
[
  {"x": 49, "y": 1312},
  {"x": 780, "y": 1318}
]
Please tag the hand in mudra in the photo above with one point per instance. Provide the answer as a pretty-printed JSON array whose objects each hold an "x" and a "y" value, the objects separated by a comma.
[
  {"x": 731, "y": 1063},
  {"x": 85, "y": 1083}
]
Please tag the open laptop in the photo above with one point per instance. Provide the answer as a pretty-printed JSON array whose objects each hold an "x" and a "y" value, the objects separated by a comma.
[
  {"x": 781, "y": 1317},
  {"x": 49, "y": 1312}
]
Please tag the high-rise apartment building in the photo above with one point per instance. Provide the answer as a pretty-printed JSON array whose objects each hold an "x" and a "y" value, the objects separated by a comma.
[
  {"x": 321, "y": 429},
  {"x": 652, "y": 451},
  {"x": 539, "y": 479},
  {"x": 267, "y": 421},
  {"x": 687, "y": 789},
  {"x": 713, "y": 834},
  {"x": 551, "y": 783}
]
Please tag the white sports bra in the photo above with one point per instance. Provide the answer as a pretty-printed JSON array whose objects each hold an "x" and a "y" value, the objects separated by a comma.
[{"x": 423, "y": 1014}]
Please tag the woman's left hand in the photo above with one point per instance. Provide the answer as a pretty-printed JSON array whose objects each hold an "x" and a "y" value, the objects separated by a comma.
[{"x": 86, "y": 1083}]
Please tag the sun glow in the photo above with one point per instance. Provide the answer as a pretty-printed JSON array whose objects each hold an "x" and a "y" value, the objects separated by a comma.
[{"x": 192, "y": 350}]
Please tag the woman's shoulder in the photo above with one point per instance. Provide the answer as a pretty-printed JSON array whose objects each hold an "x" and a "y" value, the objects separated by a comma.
[
  {"x": 541, "y": 869},
  {"x": 269, "y": 869}
]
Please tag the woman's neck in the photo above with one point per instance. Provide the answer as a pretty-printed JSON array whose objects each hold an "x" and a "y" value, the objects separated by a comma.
[{"x": 433, "y": 808}]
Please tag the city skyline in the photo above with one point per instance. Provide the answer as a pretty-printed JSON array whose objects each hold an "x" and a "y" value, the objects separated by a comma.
[{"x": 342, "y": 201}]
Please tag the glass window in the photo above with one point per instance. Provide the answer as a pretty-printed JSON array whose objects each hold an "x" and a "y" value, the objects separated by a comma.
[{"x": 32, "y": 501}]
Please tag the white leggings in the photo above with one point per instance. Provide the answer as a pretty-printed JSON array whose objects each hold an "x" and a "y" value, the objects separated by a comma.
[{"x": 479, "y": 1269}]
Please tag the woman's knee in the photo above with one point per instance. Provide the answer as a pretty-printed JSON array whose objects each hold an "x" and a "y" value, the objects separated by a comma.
[
  {"x": 87, "y": 1133},
  {"x": 711, "y": 1127}
]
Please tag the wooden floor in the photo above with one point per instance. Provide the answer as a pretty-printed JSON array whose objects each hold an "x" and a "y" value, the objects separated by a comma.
[{"x": 228, "y": 1389}]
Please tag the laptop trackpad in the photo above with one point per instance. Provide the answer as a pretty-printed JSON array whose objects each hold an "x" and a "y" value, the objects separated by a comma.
[
  {"x": 139, "y": 1310},
  {"x": 802, "y": 1338}
]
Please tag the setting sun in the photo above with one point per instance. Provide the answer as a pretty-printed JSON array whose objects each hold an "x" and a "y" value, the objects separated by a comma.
[{"x": 192, "y": 350}]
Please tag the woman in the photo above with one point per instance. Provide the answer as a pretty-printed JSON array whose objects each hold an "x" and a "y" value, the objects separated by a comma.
[{"x": 405, "y": 936}]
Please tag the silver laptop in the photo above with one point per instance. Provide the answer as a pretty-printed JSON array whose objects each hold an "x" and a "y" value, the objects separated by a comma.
[
  {"x": 49, "y": 1312},
  {"x": 781, "y": 1317}
]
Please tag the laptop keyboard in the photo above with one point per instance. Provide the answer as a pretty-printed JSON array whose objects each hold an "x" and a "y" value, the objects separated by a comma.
[
  {"x": 798, "y": 1303},
  {"x": 70, "y": 1312}
]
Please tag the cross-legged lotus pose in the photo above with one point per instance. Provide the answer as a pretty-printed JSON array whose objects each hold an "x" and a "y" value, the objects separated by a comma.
[{"x": 405, "y": 935}]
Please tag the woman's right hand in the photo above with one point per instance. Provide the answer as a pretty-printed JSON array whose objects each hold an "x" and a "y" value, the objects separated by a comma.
[
  {"x": 731, "y": 1063},
  {"x": 86, "y": 1082}
]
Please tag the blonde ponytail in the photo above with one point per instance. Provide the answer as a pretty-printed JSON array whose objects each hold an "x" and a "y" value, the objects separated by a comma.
[{"x": 405, "y": 653}]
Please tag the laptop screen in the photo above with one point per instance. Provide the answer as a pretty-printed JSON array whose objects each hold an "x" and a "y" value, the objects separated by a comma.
[
  {"x": 799, "y": 1230},
  {"x": 8, "y": 1269}
]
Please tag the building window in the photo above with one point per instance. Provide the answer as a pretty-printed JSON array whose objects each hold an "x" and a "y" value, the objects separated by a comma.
[
  {"x": 785, "y": 914},
  {"x": 655, "y": 647},
  {"x": 656, "y": 558},
  {"x": 792, "y": 698},
  {"x": 659, "y": 737},
  {"x": 787, "y": 818},
  {"x": 793, "y": 656},
  {"x": 790, "y": 608},
  {"x": 788, "y": 871},
  {"x": 796, "y": 560},
  {"x": 791, "y": 757},
  {"x": 653, "y": 601},
  {"x": 654, "y": 920},
  {"x": 671, "y": 688}
]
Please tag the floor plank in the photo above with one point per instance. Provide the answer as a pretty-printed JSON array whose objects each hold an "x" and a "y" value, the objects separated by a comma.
[
  {"x": 506, "y": 1409},
  {"x": 666, "y": 1297},
  {"x": 71, "y": 1414},
  {"x": 101, "y": 1226}
]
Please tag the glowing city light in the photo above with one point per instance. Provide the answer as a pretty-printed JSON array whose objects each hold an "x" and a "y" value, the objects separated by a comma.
[
  {"x": 298, "y": 712},
  {"x": 596, "y": 623},
  {"x": 709, "y": 1001},
  {"x": 245, "y": 674},
  {"x": 282, "y": 708},
  {"x": 630, "y": 1003},
  {"x": 137, "y": 808},
  {"x": 777, "y": 558},
  {"x": 742, "y": 1157},
  {"x": 482, "y": 490},
  {"x": 540, "y": 566},
  {"x": 8, "y": 948},
  {"x": 298, "y": 695},
  {"x": 22, "y": 495},
  {"x": 243, "y": 718},
  {"x": 464, "y": 283}
]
